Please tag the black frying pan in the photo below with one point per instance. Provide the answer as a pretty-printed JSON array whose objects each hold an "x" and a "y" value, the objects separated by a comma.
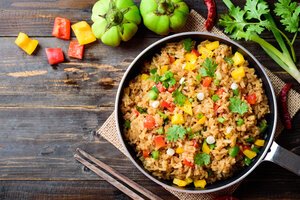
[{"x": 270, "y": 152}]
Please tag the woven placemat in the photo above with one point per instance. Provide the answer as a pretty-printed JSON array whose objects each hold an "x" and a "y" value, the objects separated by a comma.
[{"x": 195, "y": 23}]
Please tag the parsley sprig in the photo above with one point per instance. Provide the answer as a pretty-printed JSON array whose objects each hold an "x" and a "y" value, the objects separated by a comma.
[
  {"x": 209, "y": 67},
  {"x": 249, "y": 22},
  {"x": 175, "y": 132},
  {"x": 202, "y": 159},
  {"x": 179, "y": 97},
  {"x": 238, "y": 106}
]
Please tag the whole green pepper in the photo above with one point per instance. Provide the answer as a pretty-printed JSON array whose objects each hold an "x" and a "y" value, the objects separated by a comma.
[
  {"x": 163, "y": 16},
  {"x": 115, "y": 21}
]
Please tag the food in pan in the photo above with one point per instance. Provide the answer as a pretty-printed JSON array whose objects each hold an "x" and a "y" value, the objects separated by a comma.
[{"x": 196, "y": 113}]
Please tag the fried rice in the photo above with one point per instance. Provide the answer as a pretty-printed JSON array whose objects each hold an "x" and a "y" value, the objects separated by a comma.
[{"x": 195, "y": 113}]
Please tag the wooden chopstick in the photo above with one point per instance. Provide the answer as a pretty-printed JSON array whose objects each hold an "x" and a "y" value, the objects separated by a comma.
[{"x": 113, "y": 181}]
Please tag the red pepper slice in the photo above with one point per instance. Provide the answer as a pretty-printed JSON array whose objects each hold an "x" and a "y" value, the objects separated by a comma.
[
  {"x": 251, "y": 99},
  {"x": 188, "y": 163},
  {"x": 160, "y": 87},
  {"x": 211, "y": 14},
  {"x": 75, "y": 50},
  {"x": 54, "y": 55},
  {"x": 149, "y": 122},
  {"x": 62, "y": 28},
  {"x": 194, "y": 51},
  {"x": 283, "y": 97},
  {"x": 159, "y": 142}
]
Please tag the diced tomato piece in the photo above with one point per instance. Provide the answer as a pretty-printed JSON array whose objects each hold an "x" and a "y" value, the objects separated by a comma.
[
  {"x": 55, "y": 55},
  {"x": 171, "y": 89},
  {"x": 160, "y": 87},
  {"x": 220, "y": 91},
  {"x": 188, "y": 163},
  {"x": 195, "y": 143},
  {"x": 146, "y": 153},
  {"x": 169, "y": 106},
  {"x": 75, "y": 50},
  {"x": 194, "y": 51},
  {"x": 251, "y": 98},
  {"x": 171, "y": 59},
  {"x": 136, "y": 113},
  {"x": 149, "y": 122},
  {"x": 207, "y": 81},
  {"x": 61, "y": 28},
  {"x": 159, "y": 142}
]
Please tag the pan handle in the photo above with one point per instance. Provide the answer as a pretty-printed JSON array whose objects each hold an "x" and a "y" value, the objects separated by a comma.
[{"x": 284, "y": 158}]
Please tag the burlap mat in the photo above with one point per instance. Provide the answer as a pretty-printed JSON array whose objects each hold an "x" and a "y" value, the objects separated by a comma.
[{"x": 196, "y": 23}]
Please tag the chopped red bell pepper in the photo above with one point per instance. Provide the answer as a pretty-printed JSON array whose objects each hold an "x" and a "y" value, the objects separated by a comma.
[
  {"x": 55, "y": 55},
  {"x": 146, "y": 153},
  {"x": 62, "y": 28},
  {"x": 188, "y": 163},
  {"x": 251, "y": 99},
  {"x": 207, "y": 81},
  {"x": 160, "y": 87},
  {"x": 75, "y": 50},
  {"x": 149, "y": 122},
  {"x": 194, "y": 51},
  {"x": 159, "y": 142},
  {"x": 220, "y": 91},
  {"x": 169, "y": 106},
  {"x": 171, "y": 59}
]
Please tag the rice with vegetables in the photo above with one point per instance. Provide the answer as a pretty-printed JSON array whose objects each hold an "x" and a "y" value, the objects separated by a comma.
[{"x": 195, "y": 114}]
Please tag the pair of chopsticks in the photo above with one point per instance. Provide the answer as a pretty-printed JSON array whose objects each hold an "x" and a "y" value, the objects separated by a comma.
[{"x": 87, "y": 160}]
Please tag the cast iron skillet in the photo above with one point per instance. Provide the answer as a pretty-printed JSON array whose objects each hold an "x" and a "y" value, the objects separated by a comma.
[{"x": 270, "y": 152}]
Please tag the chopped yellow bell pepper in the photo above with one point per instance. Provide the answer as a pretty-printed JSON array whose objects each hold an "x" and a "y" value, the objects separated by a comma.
[
  {"x": 190, "y": 57},
  {"x": 202, "y": 120},
  {"x": 200, "y": 183},
  {"x": 144, "y": 77},
  {"x": 189, "y": 66},
  {"x": 179, "y": 150},
  {"x": 212, "y": 45},
  {"x": 163, "y": 69},
  {"x": 24, "y": 42},
  {"x": 238, "y": 59},
  {"x": 83, "y": 33},
  {"x": 238, "y": 73},
  {"x": 250, "y": 154},
  {"x": 187, "y": 107},
  {"x": 189, "y": 180},
  {"x": 205, "y": 53},
  {"x": 259, "y": 142},
  {"x": 180, "y": 183},
  {"x": 177, "y": 119},
  {"x": 205, "y": 148}
]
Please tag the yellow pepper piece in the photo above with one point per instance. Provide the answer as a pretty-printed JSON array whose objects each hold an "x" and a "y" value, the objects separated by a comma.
[
  {"x": 188, "y": 180},
  {"x": 144, "y": 77},
  {"x": 200, "y": 183},
  {"x": 189, "y": 66},
  {"x": 83, "y": 33},
  {"x": 205, "y": 148},
  {"x": 163, "y": 69},
  {"x": 177, "y": 119},
  {"x": 25, "y": 43},
  {"x": 250, "y": 154},
  {"x": 238, "y": 73},
  {"x": 179, "y": 150},
  {"x": 259, "y": 142},
  {"x": 191, "y": 57},
  {"x": 187, "y": 107},
  {"x": 202, "y": 120},
  {"x": 205, "y": 52},
  {"x": 212, "y": 45},
  {"x": 180, "y": 183},
  {"x": 238, "y": 59}
]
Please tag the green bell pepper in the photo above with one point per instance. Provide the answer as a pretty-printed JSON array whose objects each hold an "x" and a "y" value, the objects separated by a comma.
[
  {"x": 163, "y": 16},
  {"x": 115, "y": 21}
]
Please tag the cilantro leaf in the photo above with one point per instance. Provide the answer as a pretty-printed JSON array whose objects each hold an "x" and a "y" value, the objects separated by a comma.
[
  {"x": 256, "y": 8},
  {"x": 238, "y": 106},
  {"x": 202, "y": 159},
  {"x": 179, "y": 97},
  {"x": 209, "y": 67},
  {"x": 127, "y": 124},
  {"x": 141, "y": 110},
  {"x": 289, "y": 13},
  {"x": 168, "y": 79},
  {"x": 188, "y": 44},
  {"x": 175, "y": 132}
]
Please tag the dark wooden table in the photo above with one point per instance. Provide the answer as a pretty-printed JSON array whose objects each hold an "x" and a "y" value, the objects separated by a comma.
[{"x": 47, "y": 112}]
